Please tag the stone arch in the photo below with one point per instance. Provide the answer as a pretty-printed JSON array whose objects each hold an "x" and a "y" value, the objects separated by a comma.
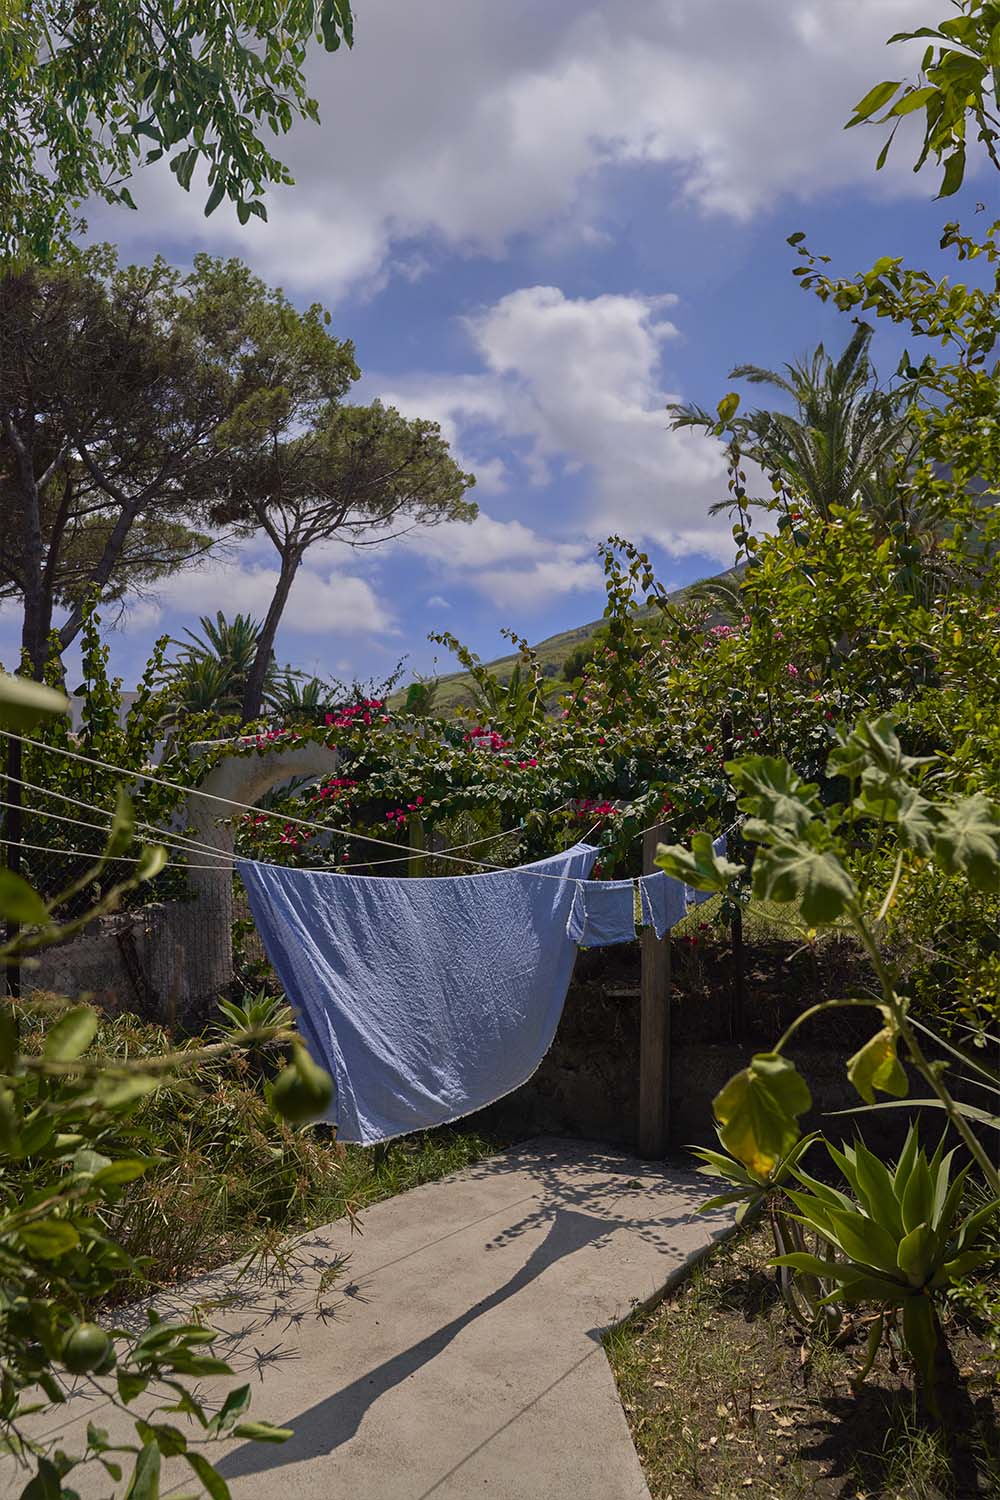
[{"x": 240, "y": 781}]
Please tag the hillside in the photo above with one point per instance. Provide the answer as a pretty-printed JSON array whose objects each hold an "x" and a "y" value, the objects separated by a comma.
[{"x": 453, "y": 687}]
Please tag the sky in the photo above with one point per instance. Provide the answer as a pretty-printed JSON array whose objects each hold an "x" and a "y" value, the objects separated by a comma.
[{"x": 540, "y": 222}]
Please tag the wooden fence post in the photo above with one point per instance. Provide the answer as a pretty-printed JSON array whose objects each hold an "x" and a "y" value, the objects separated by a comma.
[
  {"x": 654, "y": 1025},
  {"x": 417, "y": 840}
]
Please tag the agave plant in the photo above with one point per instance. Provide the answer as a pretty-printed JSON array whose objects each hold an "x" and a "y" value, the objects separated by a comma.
[
  {"x": 806, "y": 1297},
  {"x": 898, "y": 1240}
]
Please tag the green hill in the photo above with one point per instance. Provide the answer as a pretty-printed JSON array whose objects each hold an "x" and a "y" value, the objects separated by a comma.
[{"x": 453, "y": 687}]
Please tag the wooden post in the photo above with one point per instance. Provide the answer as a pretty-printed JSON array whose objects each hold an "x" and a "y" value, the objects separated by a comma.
[
  {"x": 417, "y": 839},
  {"x": 654, "y": 1026}
]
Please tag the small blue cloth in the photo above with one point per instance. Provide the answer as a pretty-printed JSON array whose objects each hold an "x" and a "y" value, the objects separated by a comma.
[
  {"x": 663, "y": 901},
  {"x": 426, "y": 999},
  {"x": 603, "y": 912}
]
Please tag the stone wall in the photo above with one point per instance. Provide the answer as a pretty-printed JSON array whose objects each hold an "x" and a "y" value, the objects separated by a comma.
[
  {"x": 157, "y": 961},
  {"x": 588, "y": 1083}
]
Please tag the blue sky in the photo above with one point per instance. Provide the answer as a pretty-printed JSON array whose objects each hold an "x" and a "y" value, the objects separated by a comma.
[{"x": 539, "y": 222}]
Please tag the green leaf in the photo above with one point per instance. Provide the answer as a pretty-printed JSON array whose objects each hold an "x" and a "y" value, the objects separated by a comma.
[
  {"x": 48, "y": 1238},
  {"x": 758, "y": 1111},
  {"x": 23, "y": 703},
  {"x": 216, "y": 196},
  {"x": 8, "y": 1036},
  {"x": 874, "y": 1187},
  {"x": 968, "y": 841},
  {"x": 130, "y": 1385},
  {"x": 913, "y": 100},
  {"x": 72, "y": 1034},
  {"x": 728, "y": 407},
  {"x": 876, "y": 1066},
  {"x": 262, "y": 1432},
  {"x": 145, "y": 1481},
  {"x": 816, "y": 881},
  {"x": 773, "y": 791},
  {"x": 918, "y": 1197},
  {"x": 920, "y": 1334},
  {"x": 122, "y": 825},
  {"x": 864, "y": 1241},
  {"x": 19, "y": 902},
  {"x": 127, "y": 1169},
  {"x": 810, "y": 1265},
  {"x": 215, "y": 1486},
  {"x": 954, "y": 173},
  {"x": 700, "y": 867},
  {"x": 232, "y": 1408},
  {"x": 151, "y": 861},
  {"x": 915, "y": 1255},
  {"x": 46, "y": 1484},
  {"x": 873, "y": 101}
]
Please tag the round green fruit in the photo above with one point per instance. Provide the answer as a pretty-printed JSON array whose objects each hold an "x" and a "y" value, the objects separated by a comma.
[
  {"x": 85, "y": 1348},
  {"x": 302, "y": 1091}
]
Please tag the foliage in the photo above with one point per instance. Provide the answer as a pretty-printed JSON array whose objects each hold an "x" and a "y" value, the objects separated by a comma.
[
  {"x": 956, "y": 87},
  {"x": 355, "y": 475},
  {"x": 900, "y": 1240},
  {"x": 121, "y": 391},
  {"x": 68, "y": 1149},
  {"x": 91, "y": 93},
  {"x": 821, "y": 859},
  {"x": 845, "y": 442}
]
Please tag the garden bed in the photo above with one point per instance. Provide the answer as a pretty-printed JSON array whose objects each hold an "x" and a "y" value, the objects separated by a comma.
[{"x": 723, "y": 1399}]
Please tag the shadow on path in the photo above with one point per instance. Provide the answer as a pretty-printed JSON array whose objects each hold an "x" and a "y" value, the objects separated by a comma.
[{"x": 334, "y": 1421}]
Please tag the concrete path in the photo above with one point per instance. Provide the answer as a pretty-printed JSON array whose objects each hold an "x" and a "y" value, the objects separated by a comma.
[{"x": 459, "y": 1353}]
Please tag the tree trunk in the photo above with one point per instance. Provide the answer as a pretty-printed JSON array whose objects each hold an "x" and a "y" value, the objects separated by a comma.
[{"x": 253, "y": 692}]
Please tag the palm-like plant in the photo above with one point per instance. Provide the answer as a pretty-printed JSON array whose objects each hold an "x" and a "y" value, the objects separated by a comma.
[
  {"x": 294, "y": 699},
  {"x": 847, "y": 439},
  {"x": 209, "y": 673}
]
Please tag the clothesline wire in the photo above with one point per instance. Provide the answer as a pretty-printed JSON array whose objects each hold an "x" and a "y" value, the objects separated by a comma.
[
  {"x": 229, "y": 802},
  {"x": 165, "y": 839},
  {"x": 197, "y": 845},
  {"x": 241, "y": 806},
  {"x": 128, "y": 859}
]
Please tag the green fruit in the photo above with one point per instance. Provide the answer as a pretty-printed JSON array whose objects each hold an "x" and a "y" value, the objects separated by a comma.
[
  {"x": 85, "y": 1348},
  {"x": 302, "y": 1090}
]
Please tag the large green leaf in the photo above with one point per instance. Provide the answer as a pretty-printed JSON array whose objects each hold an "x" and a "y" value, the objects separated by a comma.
[
  {"x": 968, "y": 841},
  {"x": 48, "y": 1238},
  {"x": 816, "y": 880},
  {"x": 920, "y": 1334},
  {"x": 19, "y": 902},
  {"x": 773, "y": 793},
  {"x": 145, "y": 1481},
  {"x": 23, "y": 703},
  {"x": 876, "y": 1066},
  {"x": 864, "y": 1241},
  {"x": 71, "y": 1035},
  {"x": 915, "y": 1256},
  {"x": 700, "y": 867},
  {"x": 758, "y": 1111}
]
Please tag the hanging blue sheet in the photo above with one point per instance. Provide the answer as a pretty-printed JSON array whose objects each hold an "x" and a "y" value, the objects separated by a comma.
[
  {"x": 603, "y": 912},
  {"x": 425, "y": 999},
  {"x": 663, "y": 901}
]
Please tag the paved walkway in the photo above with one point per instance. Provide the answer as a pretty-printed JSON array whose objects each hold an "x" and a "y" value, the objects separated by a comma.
[{"x": 459, "y": 1354}]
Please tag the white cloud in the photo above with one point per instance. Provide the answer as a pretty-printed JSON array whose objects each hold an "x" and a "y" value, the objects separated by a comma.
[
  {"x": 320, "y": 603},
  {"x": 437, "y": 602},
  {"x": 574, "y": 382},
  {"x": 466, "y": 123}
]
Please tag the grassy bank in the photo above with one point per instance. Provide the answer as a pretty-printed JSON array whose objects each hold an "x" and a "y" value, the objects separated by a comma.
[
  {"x": 230, "y": 1180},
  {"x": 725, "y": 1400}
]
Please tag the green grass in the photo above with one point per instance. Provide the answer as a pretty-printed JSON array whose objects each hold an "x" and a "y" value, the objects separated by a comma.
[
  {"x": 232, "y": 1181},
  {"x": 723, "y": 1399}
]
